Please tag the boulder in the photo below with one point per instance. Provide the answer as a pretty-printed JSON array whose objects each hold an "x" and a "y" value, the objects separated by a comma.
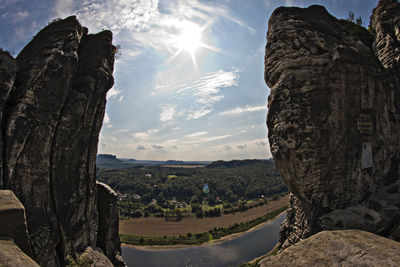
[
  {"x": 339, "y": 248},
  {"x": 12, "y": 256},
  {"x": 13, "y": 221}
]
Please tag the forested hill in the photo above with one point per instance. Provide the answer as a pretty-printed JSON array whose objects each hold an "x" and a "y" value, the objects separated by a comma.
[
  {"x": 237, "y": 163},
  {"x": 227, "y": 181}
]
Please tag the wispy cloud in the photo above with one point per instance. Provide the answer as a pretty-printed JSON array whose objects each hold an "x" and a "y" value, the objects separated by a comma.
[
  {"x": 240, "y": 110},
  {"x": 106, "y": 121},
  {"x": 241, "y": 146},
  {"x": 150, "y": 25},
  {"x": 116, "y": 15},
  {"x": 5, "y": 3},
  {"x": 167, "y": 113},
  {"x": 115, "y": 93},
  {"x": 202, "y": 92},
  {"x": 197, "y": 134},
  {"x": 158, "y": 147},
  {"x": 63, "y": 8},
  {"x": 145, "y": 135},
  {"x": 261, "y": 143},
  {"x": 141, "y": 147}
]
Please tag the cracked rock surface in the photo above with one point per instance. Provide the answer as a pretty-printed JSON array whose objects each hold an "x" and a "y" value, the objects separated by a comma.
[
  {"x": 334, "y": 116},
  {"x": 51, "y": 109}
]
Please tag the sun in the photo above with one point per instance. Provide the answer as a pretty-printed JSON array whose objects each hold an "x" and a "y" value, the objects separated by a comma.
[{"x": 189, "y": 40}]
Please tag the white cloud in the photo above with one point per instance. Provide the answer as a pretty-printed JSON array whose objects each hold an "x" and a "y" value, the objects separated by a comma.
[
  {"x": 197, "y": 134},
  {"x": 140, "y": 135},
  {"x": 20, "y": 15},
  {"x": 167, "y": 113},
  {"x": 148, "y": 25},
  {"x": 106, "y": 119},
  {"x": 240, "y": 110},
  {"x": 201, "y": 92},
  {"x": 153, "y": 131},
  {"x": 196, "y": 114},
  {"x": 63, "y": 8},
  {"x": 117, "y": 15},
  {"x": 113, "y": 93},
  {"x": 144, "y": 135}
]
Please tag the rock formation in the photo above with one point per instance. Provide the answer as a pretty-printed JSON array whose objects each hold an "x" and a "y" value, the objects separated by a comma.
[
  {"x": 13, "y": 221},
  {"x": 339, "y": 248},
  {"x": 334, "y": 118},
  {"x": 51, "y": 109},
  {"x": 107, "y": 235}
]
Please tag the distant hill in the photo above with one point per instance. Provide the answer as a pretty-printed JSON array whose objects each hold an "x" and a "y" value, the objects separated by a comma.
[
  {"x": 237, "y": 163},
  {"x": 108, "y": 161}
]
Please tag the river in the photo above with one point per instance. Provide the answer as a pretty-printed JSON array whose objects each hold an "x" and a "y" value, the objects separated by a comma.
[{"x": 231, "y": 252}]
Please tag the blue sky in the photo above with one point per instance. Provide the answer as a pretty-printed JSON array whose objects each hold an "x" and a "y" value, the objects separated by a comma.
[{"x": 170, "y": 101}]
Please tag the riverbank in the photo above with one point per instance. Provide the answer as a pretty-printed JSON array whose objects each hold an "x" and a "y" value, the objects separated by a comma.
[
  {"x": 212, "y": 242},
  {"x": 200, "y": 238},
  {"x": 232, "y": 251},
  {"x": 159, "y": 227}
]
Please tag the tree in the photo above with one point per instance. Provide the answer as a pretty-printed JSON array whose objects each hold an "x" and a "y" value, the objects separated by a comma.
[
  {"x": 351, "y": 16},
  {"x": 359, "y": 21}
]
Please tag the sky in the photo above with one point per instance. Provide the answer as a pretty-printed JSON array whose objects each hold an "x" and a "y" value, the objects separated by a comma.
[{"x": 189, "y": 78}]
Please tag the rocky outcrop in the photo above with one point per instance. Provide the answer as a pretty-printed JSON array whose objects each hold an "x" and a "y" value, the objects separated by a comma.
[
  {"x": 339, "y": 248},
  {"x": 108, "y": 224},
  {"x": 334, "y": 117},
  {"x": 12, "y": 256},
  {"x": 51, "y": 114},
  {"x": 93, "y": 258},
  {"x": 8, "y": 71},
  {"x": 13, "y": 221}
]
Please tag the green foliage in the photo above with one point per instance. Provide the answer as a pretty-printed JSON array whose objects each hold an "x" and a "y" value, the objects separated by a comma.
[
  {"x": 351, "y": 16},
  {"x": 359, "y": 21},
  {"x": 78, "y": 261},
  {"x": 10, "y": 53},
  {"x": 246, "y": 181},
  {"x": 199, "y": 238}
]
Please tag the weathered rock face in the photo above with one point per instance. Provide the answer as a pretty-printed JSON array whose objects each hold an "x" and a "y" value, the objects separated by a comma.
[
  {"x": 13, "y": 221},
  {"x": 334, "y": 117},
  {"x": 339, "y": 248},
  {"x": 8, "y": 71},
  {"x": 108, "y": 224},
  {"x": 50, "y": 123},
  {"x": 12, "y": 256}
]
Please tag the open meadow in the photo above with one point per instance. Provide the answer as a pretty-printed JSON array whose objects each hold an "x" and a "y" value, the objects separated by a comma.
[{"x": 159, "y": 227}]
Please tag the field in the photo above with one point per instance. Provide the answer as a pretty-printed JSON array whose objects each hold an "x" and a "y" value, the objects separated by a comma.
[{"x": 159, "y": 227}]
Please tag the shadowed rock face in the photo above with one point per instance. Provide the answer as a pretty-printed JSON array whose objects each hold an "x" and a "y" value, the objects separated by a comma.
[
  {"x": 333, "y": 119},
  {"x": 50, "y": 124}
]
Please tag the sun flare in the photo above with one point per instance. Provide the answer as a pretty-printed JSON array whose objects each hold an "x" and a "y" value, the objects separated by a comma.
[{"x": 190, "y": 39}]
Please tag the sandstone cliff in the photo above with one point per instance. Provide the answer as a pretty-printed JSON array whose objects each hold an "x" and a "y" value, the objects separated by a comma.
[
  {"x": 334, "y": 119},
  {"x": 52, "y": 104}
]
